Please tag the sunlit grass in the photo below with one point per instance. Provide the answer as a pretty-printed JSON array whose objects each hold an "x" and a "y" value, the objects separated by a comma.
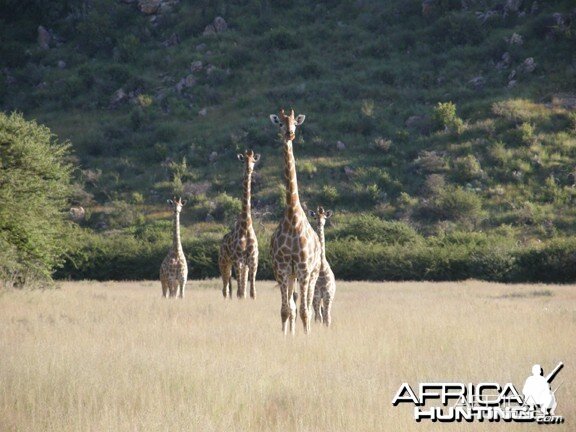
[{"x": 115, "y": 356}]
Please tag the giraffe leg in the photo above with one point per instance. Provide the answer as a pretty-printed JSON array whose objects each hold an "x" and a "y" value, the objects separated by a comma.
[
  {"x": 305, "y": 301},
  {"x": 164, "y": 288},
  {"x": 307, "y": 286},
  {"x": 245, "y": 275},
  {"x": 226, "y": 273},
  {"x": 317, "y": 304},
  {"x": 182, "y": 287},
  {"x": 292, "y": 304},
  {"x": 173, "y": 288},
  {"x": 327, "y": 309},
  {"x": 285, "y": 308},
  {"x": 252, "y": 278},
  {"x": 241, "y": 276}
]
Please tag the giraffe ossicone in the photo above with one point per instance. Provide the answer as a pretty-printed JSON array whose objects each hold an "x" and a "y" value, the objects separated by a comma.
[
  {"x": 174, "y": 269},
  {"x": 295, "y": 246},
  {"x": 239, "y": 248}
]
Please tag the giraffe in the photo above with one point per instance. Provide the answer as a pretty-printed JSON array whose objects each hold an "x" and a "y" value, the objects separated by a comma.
[
  {"x": 174, "y": 270},
  {"x": 239, "y": 247},
  {"x": 295, "y": 247},
  {"x": 326, "y": 283}
]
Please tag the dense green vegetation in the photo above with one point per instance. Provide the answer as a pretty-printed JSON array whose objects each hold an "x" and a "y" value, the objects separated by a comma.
[
  {"x": 35, "y": 183},
  {"x": 442, "y": 134}
]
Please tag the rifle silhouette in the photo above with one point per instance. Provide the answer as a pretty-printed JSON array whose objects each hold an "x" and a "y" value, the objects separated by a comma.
[{"x": 552, "y": 374}]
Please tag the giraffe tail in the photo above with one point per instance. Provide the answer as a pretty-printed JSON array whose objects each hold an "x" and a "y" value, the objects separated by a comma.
[{"x": 294, "y": 294}]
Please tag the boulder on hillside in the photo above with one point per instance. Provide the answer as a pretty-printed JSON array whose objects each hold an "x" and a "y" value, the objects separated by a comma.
[
  {"x": 196, "y": 66},
  {"x": 420, "y": 124},
  {"x": 77, "y": 213},
  {"x": 219, "y": 25},
  {"x": 44, "y": 38},
  {"x": 427, "y": 7},
  {"x": 186, "y": 82},
  {"x": 118, "y": 97},
  {"x": 149, "y": 7},
  {"x": 529, "y": 65},
  {"x": 173, "y": 40}
]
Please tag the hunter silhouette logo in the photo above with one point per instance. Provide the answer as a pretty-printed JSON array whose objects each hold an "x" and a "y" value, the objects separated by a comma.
[
  {"x": 493, "y": 402},
  {"x": 537, "y": 390}
]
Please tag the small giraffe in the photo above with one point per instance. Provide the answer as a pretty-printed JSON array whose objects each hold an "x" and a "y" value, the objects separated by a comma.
[
  {"x": 239, "y": 247},
  {"x": 326, "y": 283},
  {"x": 174, "y": 270},
  {"x": 295, "y": 247}
]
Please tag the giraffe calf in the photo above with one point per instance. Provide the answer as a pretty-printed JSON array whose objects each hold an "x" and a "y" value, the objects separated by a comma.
[{"x": 326, "y": 284}]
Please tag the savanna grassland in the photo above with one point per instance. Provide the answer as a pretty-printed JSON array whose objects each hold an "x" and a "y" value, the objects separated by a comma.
[{"x": 111, "y": 356}]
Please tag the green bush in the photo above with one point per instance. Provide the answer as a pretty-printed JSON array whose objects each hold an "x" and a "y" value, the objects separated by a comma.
[
  {"x": 453, "y": 204},
  {"x": 466, "y": 169},
  {"x": 551, "y": 262},
  {"x": 370, "y": 228},
  {"x": 445, "y": 117},
  {"x": 226, "y": 207},
  {"x": 35, "y": 185}
]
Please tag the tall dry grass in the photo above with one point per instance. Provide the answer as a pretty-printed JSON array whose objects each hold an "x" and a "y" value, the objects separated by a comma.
[{"x": 117, "y": 357}]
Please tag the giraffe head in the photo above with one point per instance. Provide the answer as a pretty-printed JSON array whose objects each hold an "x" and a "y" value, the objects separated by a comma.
[
  {"x": 176, "y": 204},
  {"x": 287, "y": 123},
  {"x": 321, "y": 215},
  {"x": 249, "y": 158}
]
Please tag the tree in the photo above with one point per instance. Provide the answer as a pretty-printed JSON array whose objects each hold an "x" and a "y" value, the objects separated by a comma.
[{"x": 35, "y": 184}]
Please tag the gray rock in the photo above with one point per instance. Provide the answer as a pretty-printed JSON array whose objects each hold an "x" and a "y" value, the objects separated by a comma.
[
  {"x": 209, "y": 30},
  {"x": 118, "y": 97},
  {"x": 529, "y": 65},
  {"x": 220, "y": 24},
  {"x": 196, "y": 66},
  {"x": 173, "y": 40},
  {"x": 478, "y": 82},
  {"x": 44, "y": 38},
  {"x": 149, "y": 7}
]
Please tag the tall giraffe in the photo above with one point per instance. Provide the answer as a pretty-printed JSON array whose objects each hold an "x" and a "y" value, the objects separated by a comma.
[
  {"x": 295, "y": 246},
  {"x": 326, "y": 283},
  {"x": 174, "y": 270},
  {"x": 239, "y": 247}
]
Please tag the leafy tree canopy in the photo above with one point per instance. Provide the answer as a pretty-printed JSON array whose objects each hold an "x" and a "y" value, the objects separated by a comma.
[{"x": 35, "y": 183}]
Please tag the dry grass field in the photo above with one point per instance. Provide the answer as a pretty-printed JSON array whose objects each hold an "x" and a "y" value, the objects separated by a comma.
[{"x": 116, "y": 357}]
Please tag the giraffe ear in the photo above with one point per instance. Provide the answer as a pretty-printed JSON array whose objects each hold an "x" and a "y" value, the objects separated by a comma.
[
  {"x": 275, "y": 119},
  {"x": 170, "y": 202},
  {"x": 312, "y": 213},
  {"x": 183, "y": 202},
  {"x": 256, "y": 157},
  {"x": 300, "y": 119},
  {"x": 240, "y": 157},
  {"x": 328, "y": 214}
]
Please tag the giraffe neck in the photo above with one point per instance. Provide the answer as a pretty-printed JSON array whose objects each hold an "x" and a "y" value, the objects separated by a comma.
[
  {"x": 246, "y": 215},
  {"x": 292, "y": 198},
  {"x": 176, "y": 245},
  {"x": 322, "y": 242}
]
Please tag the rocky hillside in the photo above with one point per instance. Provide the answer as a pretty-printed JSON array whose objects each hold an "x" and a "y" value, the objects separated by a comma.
[{"x": 447, "y": 115}]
